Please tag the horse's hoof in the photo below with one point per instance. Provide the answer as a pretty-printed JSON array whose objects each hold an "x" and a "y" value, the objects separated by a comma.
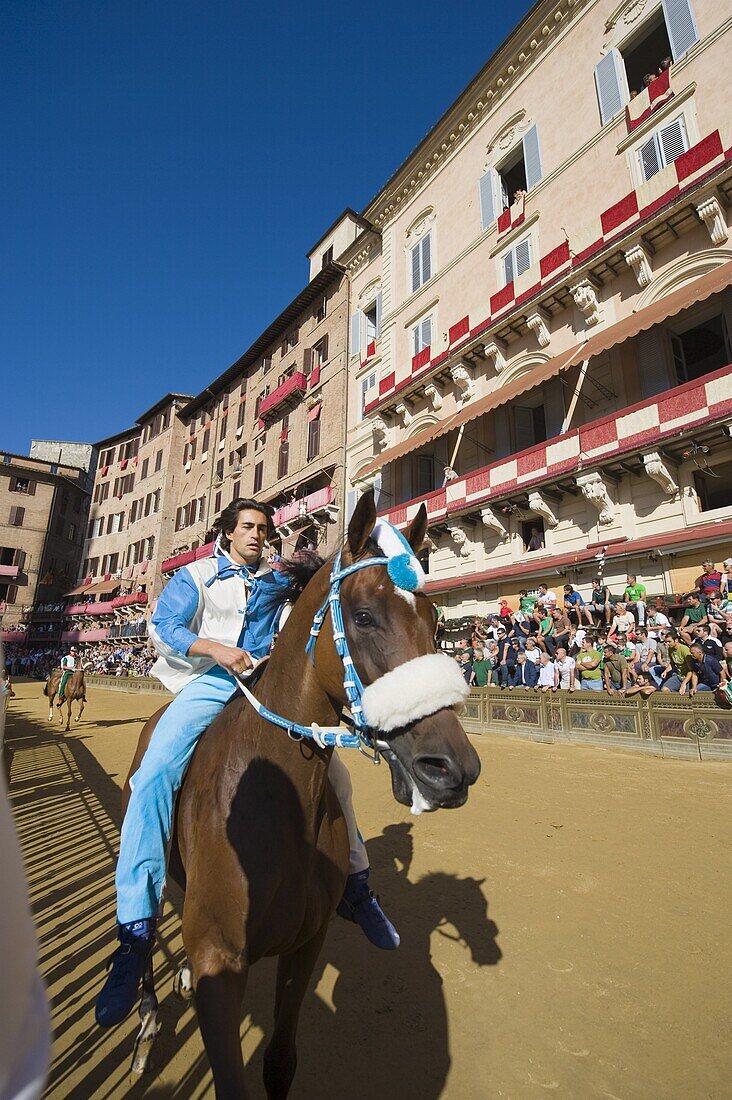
[
  {"x": 144, "y": 1043},
  {"x": 183, "y": 984}
]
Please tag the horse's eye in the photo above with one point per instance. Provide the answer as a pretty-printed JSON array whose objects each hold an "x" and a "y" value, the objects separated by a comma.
[{"x": 363, "y": 618}]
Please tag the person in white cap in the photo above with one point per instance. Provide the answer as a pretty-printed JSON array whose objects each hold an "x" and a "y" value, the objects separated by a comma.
[{"x": 68, "y": 664}]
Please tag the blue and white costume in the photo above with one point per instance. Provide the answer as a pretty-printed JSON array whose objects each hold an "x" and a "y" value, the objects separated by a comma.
[{"x": 217, "y": 599}]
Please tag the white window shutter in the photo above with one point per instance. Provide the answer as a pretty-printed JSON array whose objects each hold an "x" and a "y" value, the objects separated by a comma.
[
  {"x": 487, "y": 192},
  {"x": 416, "y": 266},
  {"x": 427, "y": 333},
  {"x": 651, "y": 360},
  {"x": 650, "y": 160},
  {"x": 356, "y": 332},
  {"x": 377, "y": 489},
  {"x": 610, "y": 81},
  {"x": 523, "y": 257},
  {"x": 532, "y": 157},
  {"x": 508, "y": 268},
  {"x": 378, "y": 315},
  {"x": 681, "y": 26},
  {"x": 673, "y": 140},
  {"x": 426, "y": 257}
]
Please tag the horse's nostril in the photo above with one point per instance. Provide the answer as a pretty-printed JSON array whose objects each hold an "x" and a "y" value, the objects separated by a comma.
[{"x": 436, "y": 771}]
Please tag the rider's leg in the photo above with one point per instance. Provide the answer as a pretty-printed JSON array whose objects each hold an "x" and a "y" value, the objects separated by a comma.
[
  {"x": 146, "y": 831},
  {"x": 359, "y": 903}
]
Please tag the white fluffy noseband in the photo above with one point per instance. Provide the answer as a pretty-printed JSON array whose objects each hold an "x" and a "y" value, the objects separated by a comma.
[{"x": 413, "y": 690}]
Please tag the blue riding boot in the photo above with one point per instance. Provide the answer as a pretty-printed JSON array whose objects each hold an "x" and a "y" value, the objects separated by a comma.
[
  {"x": 361, "y": 905},
  {"x": 126, "y": 967}
]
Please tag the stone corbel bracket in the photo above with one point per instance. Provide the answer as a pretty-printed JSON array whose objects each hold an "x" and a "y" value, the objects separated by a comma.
[
  {"x": 537, "y": 324},
  {"x": 542, "y": 508},
  {"x": 460, "y": 539},
  {"x": 587, "y": 302},
  {"x": 462, "y": 378},
  {"x": 593, "y": 488},
  {"x": 637, "y": 258},
  {"x": 404, "y": 413},
  {"x": 491, "y": 520},
  {"x": 379, "y": 429},
  {"x": 434, "y": 396},
  {"x": 495, "y": 351},
  {"x": 711, "y": 213},
  {"x": 657, "y": 469}
]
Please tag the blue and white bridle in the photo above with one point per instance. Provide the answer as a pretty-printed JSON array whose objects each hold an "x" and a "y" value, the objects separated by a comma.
[{"x": 406, "y": 573}]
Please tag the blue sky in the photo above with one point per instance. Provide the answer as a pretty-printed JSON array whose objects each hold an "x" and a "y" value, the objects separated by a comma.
[{"x": 166, "y": 166}]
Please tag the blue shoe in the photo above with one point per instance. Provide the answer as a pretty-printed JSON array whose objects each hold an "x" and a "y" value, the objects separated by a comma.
[
  {"x": 126, "y": 967},
  {"x": 361, "y": 905}
]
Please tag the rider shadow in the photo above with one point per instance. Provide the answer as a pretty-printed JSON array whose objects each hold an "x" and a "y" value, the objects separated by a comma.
[{"x": 352, "y": 1031}]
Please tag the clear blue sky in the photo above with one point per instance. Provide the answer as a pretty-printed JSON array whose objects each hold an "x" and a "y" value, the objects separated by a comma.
[{"x": 165, "y": 167}]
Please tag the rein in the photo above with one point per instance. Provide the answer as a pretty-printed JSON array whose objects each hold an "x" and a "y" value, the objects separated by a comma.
[{"x": 331, "y": 736}]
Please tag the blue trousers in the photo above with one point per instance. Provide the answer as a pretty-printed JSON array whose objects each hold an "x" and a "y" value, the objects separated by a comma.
[{"x": 147, "y": 824}]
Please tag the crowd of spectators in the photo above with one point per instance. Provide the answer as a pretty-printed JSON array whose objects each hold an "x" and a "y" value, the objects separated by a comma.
[
  {"x": 624, "y": 646},
  {"x": 118, "y": 658}
]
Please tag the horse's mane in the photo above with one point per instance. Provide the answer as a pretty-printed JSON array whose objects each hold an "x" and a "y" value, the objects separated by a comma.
[{"x": 301, "y": 567}]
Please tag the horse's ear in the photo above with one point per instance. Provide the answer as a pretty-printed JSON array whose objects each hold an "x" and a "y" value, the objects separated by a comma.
[
  {"x": 362, "y": 523},
  {"x": 415, "y": 536}
]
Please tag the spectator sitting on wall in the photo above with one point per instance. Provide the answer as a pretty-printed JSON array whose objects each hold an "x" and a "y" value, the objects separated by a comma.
[
  {"x": 645, "y": 654},
  {"x": 509, "y": 660},
  {"x": 504, "y": 611},
  {"x": 600, "y": 601},
  {"x": 708, "y": 641},
  {"x": 715, "y": 613},
  {"x": 562, "y": 629},
  {"x": 547, "y": 596},
  {"x": 588, "y": 664},
  {"x": 527, "y": 603},
  {"x": 525, "y": 673},
  {"x": 695, "y": 615},
  {"x": 678, "y": 678},
  {"x": 575, "y": 606},
  {"x": 706, "y": 671},
  {"x": 520, "y": 628},
  {"x": 725, "y": 586},
  {"x": 634, "y": 597},
  {"x": 544, "y": 636},
  {"x": 623, "y": 622},
  {"x": 656, "y": 620},
  {"x": 547, "y": 674},
  {"x": 481, "y": 669},
  {"x": 709, "y": 579},
  {"x": 532, "y": 651},
  {"x": 564, "y": 667},
  {"x": 615, "y": 670},
  {"x": 466, "y": 664}
]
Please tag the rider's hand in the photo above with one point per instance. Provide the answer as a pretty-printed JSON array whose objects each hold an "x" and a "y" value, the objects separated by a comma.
[{"x": 231, "y": 658}]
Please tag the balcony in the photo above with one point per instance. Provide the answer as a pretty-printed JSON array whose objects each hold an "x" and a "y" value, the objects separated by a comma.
[
  {"x": 103, "y": 607},
  {"x": 177, "y": 561},
  {"x": 132, "y": 599},
  {"x": 9, "y": 571},
  {"x": 303, "y": 511},
  {"x": 13, "y": 636},
  {"x": 613, "y": 445},
  {"x": 99, "y": 634},
  {"x": 285, "y": 397}
]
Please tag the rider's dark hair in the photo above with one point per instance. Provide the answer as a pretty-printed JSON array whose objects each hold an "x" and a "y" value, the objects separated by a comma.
[{"x": 229, "y": 517}]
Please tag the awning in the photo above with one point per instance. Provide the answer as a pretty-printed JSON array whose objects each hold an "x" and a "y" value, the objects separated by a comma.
[
  {"x": 77, "y": 591},
  {"x": 697, "y": 291}
]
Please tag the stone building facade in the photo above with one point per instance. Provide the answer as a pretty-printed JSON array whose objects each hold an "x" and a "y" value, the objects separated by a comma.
[
  {"x": 43, "y": 508},
  {"x": 541, "y": 311}
]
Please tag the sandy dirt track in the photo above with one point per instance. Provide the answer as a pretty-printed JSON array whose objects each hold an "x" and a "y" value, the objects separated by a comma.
[{"x": 564, "y": 934}]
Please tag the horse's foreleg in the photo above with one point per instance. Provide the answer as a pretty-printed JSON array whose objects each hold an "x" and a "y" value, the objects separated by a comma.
[
  {"x": 68, "y": 716},
  {"x": 149, "y": 1027},
  {"x": 218, "y": 1005},
  {"x": 81, "y": 709},
  {"x": 293, "y": 975},
  {"x": 50, "y": 706}
]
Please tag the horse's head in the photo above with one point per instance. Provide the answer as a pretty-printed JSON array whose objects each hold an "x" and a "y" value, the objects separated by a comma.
[{"x": 411, "y": 691}]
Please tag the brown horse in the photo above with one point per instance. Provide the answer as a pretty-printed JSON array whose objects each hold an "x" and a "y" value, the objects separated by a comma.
[
  {"x": 74, "y": 692},
  {"x": 261, "y": 845}
]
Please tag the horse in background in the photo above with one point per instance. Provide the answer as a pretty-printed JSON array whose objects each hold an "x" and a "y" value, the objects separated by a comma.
[{"x": 74, "y": 692}]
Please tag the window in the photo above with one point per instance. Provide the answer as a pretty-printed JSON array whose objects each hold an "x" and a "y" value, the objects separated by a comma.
[
  {"x": 259, "y": 442},
  {"x": 206, "y": 440},
  {"x": 368, "y": 383},
  {"x": 529, "y": 426},
  {"x": 516, "y": 261},
  {"x": 327, "y": 257},
  {"x": 283, "y": 459},
  {"x": 372, "y": 320},
  {"x": 422, "y": 335},
  {"x": 714, "y": 487},
  {"x": 158, "y": 461},
  {"x": 241, "y": 414},
  {"x": 96, "y": 527},
  {"x": 222, "y": 428},
  {"x": 512, "y": 177},
  {"x": 321, "y": 310},
  {"x": 258, "y": 402},
  {"x": 22, "y": 485},
  {"x": 320, "y": 353},
  {"x": 663, "y": 38},
  {"x": 662, "y": 148},
  {"x": 16, "y": 517},
  {"x": 266, "y": 365},
  {"x": 217, "y": 502},
  {"x": 520, "y": 171},
  {"x": 421, "y": 262},
  {"x": 701, "y": 349},
  {"x": 313, "y": 438},
  {"x": 71, "y": 532},
  {"x": 145, "y": 466},
  {"x": 423, "y": 475},
  {"x": 532, "y": 535},
  {"x": 220, "y": 470},
  {"x": 258, "y": 477},
  {"x": 237, "y": 489}
]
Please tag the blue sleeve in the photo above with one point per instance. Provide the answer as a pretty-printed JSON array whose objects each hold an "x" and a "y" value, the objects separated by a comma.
[{"x": 177, "y": 605}]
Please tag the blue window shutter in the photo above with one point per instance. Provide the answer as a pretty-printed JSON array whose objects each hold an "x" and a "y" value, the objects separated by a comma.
[
  {"x": 532, "y": 158},
  {"x": 681, "y": 26},
  {"x": 486, "y": 191},
  {"x": 416, "y": 267},
  {"x": 356, "y": 333},
  {"x": 378, "y": 315},
  {"x": 610, "y": 85}
]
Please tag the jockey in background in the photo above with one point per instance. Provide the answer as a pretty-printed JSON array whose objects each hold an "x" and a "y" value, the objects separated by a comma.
[
  {"x": 213, "y": 621},
  {"x": 68, "y": 664}
]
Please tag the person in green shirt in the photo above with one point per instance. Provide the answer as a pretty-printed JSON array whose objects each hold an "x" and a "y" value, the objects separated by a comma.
[
  {"x": 634, "y": 597},
  {"x": 481, "y": 669},
  {"x": 588, "y": 666},
  {"x": 527, "y": 603},
  {"x": 695, "y": 615},
  {"x": 679, "y": 677}
]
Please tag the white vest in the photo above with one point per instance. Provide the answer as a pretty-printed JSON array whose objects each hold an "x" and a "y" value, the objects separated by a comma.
[{"x": 219, "y": 617}]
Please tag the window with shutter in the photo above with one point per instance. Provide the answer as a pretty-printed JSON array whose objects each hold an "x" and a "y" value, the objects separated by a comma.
[
  {"x": 356, "y": 333},
  {"x": 422, "y": 335},
  {"x": 258, "y": 477},
  {"x": 673, "y": 140},
  {"x": 313, "y": 439},
  {"x": 651, "y": 360},
  {"x": 422, "y": 262},
  {"x": 611, "y": 87},
  {"x": 523, "y": 420},
  {"x": 662, "y": 148},
  {"x": 508, "y": 268},
  {"x": 487, "y": 195},
  {"x": 532, "y": 157},
  {"x": 16, "y": 516},
  {"x": 378, "y": 315},
  {"x": 681, "y": 26},
  {"x": 517, "y": 260}
]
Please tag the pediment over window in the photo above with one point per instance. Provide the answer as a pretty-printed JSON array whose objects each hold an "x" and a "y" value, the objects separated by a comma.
[
  {"x": 421, "y": 223},
  {"x": 508, "y": 132}
]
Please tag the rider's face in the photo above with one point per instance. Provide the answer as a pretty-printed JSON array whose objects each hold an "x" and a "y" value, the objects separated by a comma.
[{"x": 248, "y": 537}]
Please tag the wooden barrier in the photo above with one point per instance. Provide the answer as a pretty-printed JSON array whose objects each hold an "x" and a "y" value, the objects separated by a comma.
[{"x": 126, "y": 683}]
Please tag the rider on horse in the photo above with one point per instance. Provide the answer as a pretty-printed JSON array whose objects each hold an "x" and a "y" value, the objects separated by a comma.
[
  {"x": 68, "y": 664},
  {"x": 213, "y": 621}
]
